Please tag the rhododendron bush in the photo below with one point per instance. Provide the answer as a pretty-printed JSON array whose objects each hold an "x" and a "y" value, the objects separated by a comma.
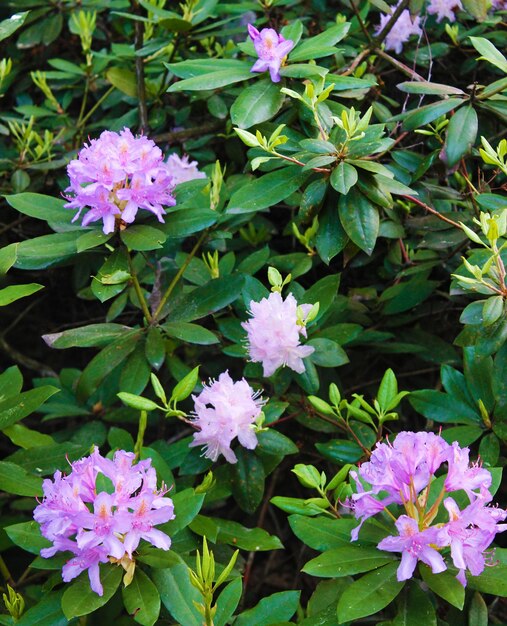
[{"x": 254, "y": 337}]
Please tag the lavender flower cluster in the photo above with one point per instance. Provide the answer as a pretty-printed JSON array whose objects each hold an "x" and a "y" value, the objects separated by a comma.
[
  {"x": 404, "y": 474},
  {"x": 117, "y": 174},
  {"x": 97, "y": 526}
]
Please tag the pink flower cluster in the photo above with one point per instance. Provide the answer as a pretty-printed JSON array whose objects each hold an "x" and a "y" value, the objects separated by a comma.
[
  {"x": 182, "y": 170},
  {"x": 271, "y": 49},
  {"x": 224, "y": 410},
  {"x": 273, "y": 333},
  {"x": 115, "y": 176},
  {"x": 402, "y": 30},
  {"x": 404, "y": 473},
  {"x": 98, "y": 526},
  {"x": 444, "y": 9}
]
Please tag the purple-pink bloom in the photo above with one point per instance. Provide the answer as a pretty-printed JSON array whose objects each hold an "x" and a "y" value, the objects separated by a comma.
[
  {"x": 271, "y": 49},
  {"x": 273, "y": 333},
  {"x": 402, "y": 30},
  {"x": 182, "y": 170},
  {"x": 414, "y": 545},
  {"x": 116, "y": 175},
  {"x": 464, "y": 476},
  {"x": 97, "y": 526},
  {"x": 444, "y": 9},
  {"x": 224, "y": 410}
]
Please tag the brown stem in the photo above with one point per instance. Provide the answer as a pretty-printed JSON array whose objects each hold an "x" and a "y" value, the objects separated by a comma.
[
  {"x": 361, "y": 23},
  {"x": 401, "y": 66},
  {"x": 390, "y": 24},
  {"x": 432, "y": 211}
]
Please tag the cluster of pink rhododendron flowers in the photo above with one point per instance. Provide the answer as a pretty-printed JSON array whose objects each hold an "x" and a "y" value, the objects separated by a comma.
[
  {"x": 404, "y": 475},
  {"x": 99, "y": 525}
]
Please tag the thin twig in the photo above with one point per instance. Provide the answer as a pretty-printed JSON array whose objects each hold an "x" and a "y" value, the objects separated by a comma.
[
  {"x": 401, "y": 66},
  {"x": 432, "y": 211},
  {"x": 141, "y": 85}
]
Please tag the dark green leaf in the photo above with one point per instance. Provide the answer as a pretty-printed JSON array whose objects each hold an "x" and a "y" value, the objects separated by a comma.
[
  {"x": 271, "y": 610},
  {"x": 78, "y": 599},
  {"x": 343, "y": 177},
  {"x": 247, "y": 480},
  {"x": 142, "y": 599},
  {"x": 257, "y": 103},
  {"x": 461, "y": 135},
  {"x": 346, "y": 560},
  {"x": 360, "y": 219},
  {"x": 142, "y": 237}
]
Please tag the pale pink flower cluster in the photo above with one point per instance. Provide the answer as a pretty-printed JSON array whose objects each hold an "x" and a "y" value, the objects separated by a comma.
[
  {"x": 98, "y": 526},
  {"x": 225, "y": 410},
  {"x": 273, "y": 333},
  {"x": 403, "y": 29},
  {"x": 116, "y": 175},
  {"x": 444, "y": 9},
  {"x": 404, "y": 474},
  {"x": 271, "y": 49},
  {"x": 182, "y": 170}
]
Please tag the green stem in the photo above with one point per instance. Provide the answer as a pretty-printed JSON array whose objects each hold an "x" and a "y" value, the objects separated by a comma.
[
  {"x": 179, "y": 274},
  {"x": 4, "y": 570},
  {"x": 97, "y": 104},
  {"x": 138, "y": 290},
  {"x": 143, "y": 420}
]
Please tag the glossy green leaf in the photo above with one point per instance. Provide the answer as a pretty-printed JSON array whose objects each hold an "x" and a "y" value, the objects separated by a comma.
[
  {"x": 192, "y": 333},
  {"x": 123, "y": 79},
  {"x": 461, "y": 134},
  {"x": 14, "y": 479},
  {"x": 271, "y": 610},
  {"x": 360, "y": 219},
  {"x": 27, "y": 535},
  {"x": 15, "y": 292},
  {"x": 343, "y": 177},
  {"x": 11, "y": 24},
  {"x": 187, "y": 222},
  {"x": 327, "y": 353},
  {"x": 227, "y": 602},
  {"x": 428, "y": 113},
  {"x": 247, "y": 480},
  {"x": 257, "y": 103},
  {"x": 321, "y": 45},
  {"x": 142, "y": 237},
  {"x": 93, "y": 335},
  {"x": 15, "y": 408},
  {"x": 444, "y": 585},
  {"x": 369, "y": 594},
  {"x": 142, "y": 599},
  {"x": 178, "y": 595},
  {"x": 346, "y": 560},
  {"x": 79, "y": 599}
]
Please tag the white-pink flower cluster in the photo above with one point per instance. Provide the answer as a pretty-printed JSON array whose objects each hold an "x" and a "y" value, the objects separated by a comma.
[
  {"x": 182, "y": 170},
  {"x": 273, "y": 333},
  {"x": 403, "y": 29},
  {"x": 444, "y": 9},
  {"x": 225, "y": 410}
]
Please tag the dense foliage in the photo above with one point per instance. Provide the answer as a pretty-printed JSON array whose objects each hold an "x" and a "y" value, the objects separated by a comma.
[{"x": 230, "y": 232}]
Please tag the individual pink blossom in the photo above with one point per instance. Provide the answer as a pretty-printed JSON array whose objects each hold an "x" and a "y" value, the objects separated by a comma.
[
  {"x": 97, "y": 526},
  {"x": 183, "y": 170},
  {"x": 271, "y": 49},
  {"x": 404, "y": 473},
  {"x": 402, "y": 30},
  {"x": 224, "y": 410},
  {"x": 273, "y": 333},
  {"x": 116, "y": 175},
  {"x": 444, "y": 9},
  {"x": 414, "y": 545},
  {"x": 499, "y": 5}
]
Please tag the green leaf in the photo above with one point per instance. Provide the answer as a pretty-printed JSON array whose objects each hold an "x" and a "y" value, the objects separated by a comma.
[
  {"x": 343, "y": 177},
  {"x": 105, "y": 361},
  {"x": 47, "y": 611},
  {"x": 461, "y": 135},
  {"x": 142, "y": 599},
  {"x": 369, "y": 594},
  {"x": 91, "y": 336},
  {"x": 340, "y": 450},
  {"x": 276, "y": 608},
  {"x": 478, "y": 611},
  {"x": 11, "y": 24},
  {"x": 324, "y": 291},
  {"x": 137, "y": 402},
  {"x": 191, "y": 333},
  {"x": 15, "y": 408},
  {"x": 27, "y": 536},
  {"x": 24, "y": 437},
  {"x": 425, "y": 88},
  {"x": 92, "y": 239},
  {"x": 273, "y": 442},
  {"x": 187, "y": 505},
  {"x": 360, "y": 219},
  {"x": 321, "y": 45},
  {"x": 185, "y": 386},
  {"x": 414, "y": 608},
  {"x": 444, "y": 585},
  {"x": 202, "y": 301},
  {"x": 123, "y": 79},
  {"x": 428, "y": 113},
  {"x": 346, "y": 560},
  {"x": 178, "y": 594},
  {"x": 443, "y": 408},
  {"x": 47, "y": 459},
  {"x": 42, "y": 252},
  {"x": 14, "y": 479},
  {"x": 331, "y": 237},
  {"x": 78, "y": 599},
  {"x": 489, "y": 52},
  {"x": 247, "y": 480},
  {"x": 8, "y": 256},
  {"x": 387, "y": 390},
  {"x": 15, "y": 292},
  {"x": 327, "y": 353},
  {"x": 257, "y": 103},
  {"x": 187, "y": 222},
  {"x": 227, "y": 602},
  {"x": 268, "y": 190},
  {"x": 46, "y": 208},
  {"x": 493, "y": 580},
  {"x": 323, "y": 533},
  {"x": 142, "y": 237},
  {"x": 213, "y": 80},
  {"x": 234, "y": 534}
]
